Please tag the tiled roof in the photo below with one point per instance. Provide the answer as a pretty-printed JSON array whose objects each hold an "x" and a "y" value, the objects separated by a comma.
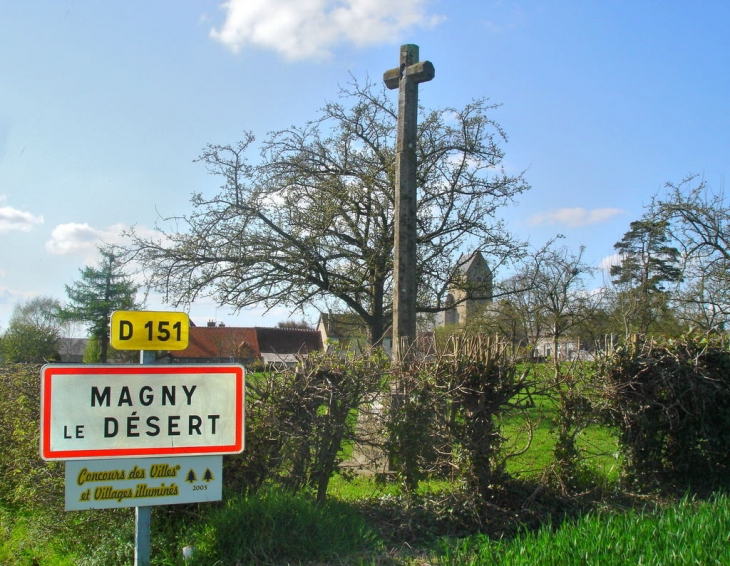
[
  {"x": 72, "y": 347},
  {"x": 218, "y": 341},
  {"x": 215, "y": 342},
  {"x": 465, "y": 262},
  {"x": 288, "y": 340}
]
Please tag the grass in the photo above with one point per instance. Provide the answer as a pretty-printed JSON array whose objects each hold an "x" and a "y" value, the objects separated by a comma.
[
  {"x": 598, "y": 448},
  {"x": 274, "y": 527},
  {"x": 687, "y": 533},
  {"x": 25, "y": 542},
  {"x": 269, "y": 527},
  {"x": 359, "y": 488},
  {"x": 597, "y": 445}
]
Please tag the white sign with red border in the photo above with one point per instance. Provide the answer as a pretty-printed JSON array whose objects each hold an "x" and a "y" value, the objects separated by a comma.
[{"x": 119, "y": 411}]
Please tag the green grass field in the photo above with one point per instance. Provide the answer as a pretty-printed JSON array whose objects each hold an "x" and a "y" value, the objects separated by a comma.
[
  {"x": 688, "y": 532},
  {"x": 597, "y": 445}
]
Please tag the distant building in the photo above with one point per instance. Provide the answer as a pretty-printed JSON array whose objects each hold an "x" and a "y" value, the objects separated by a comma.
[
  {"x": 472, "y": 291},
  {"x": 72, "y": 350},
  {"x": 281, "y": 346},
  {"x": 347, "y": 331},
  {"x": 568, "y": 348},
  {"x": 230, "y": 344}
]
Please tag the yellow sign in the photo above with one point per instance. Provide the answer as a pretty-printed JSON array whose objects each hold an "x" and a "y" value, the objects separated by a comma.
[
  {"x": 125, "y": 482},
  {"x": 149, "y": 330}
]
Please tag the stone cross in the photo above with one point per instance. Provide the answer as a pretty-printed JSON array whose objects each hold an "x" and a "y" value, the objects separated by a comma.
[{"x": 406, "y": 79}]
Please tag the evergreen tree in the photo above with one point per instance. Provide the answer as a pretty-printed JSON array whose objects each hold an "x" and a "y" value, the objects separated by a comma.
[
  {"x": 100, "y": 291},
  {"x": 648, "y": 262},
  {"x": 92, "y": 353}
]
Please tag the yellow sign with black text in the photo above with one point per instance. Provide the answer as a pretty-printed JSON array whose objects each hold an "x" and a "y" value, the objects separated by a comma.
[
  {"x": 104, "y": 484},
  {"x": 149, "y": 330}
]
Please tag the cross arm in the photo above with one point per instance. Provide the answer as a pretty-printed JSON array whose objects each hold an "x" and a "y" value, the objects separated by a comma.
[
  {"x": 391, "y": 78},
  {"x": 420, "y": 72}
]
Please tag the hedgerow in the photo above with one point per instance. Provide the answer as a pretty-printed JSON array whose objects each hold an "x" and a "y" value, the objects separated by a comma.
[{"x": 671, "y": 407}]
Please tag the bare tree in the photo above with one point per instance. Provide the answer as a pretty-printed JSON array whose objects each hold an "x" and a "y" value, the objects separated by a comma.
[
  {"x": 311, "y": 224},
  {"x": 558, "y": 307},
  {"x": 700, "y": 225},
  {"x": 546, "y": 297},
  {"x": 562, "y": 295}
]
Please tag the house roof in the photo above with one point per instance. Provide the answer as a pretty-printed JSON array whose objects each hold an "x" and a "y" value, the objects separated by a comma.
[
  {"x": 288, "y": 340},
  {"x": 72, "y": 346},
  {"x": 342, "y": 325},
  {"x": 215, "y": 342},
  {"x": 218, "y": 341},
  {"x": 288, "y": 359},
  {"x": 467, "y": 263}
]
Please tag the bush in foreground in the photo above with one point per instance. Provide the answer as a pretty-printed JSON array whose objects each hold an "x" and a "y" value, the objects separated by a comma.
[
  {"x": 275, "y": 527},
  {"x": 671, "y": 406}
]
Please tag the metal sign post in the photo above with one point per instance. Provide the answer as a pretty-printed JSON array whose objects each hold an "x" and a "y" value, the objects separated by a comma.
[{"x": 143, "y": 515}]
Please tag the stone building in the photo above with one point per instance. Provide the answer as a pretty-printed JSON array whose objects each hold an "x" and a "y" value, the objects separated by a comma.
[{"x": 472, "y": 291}]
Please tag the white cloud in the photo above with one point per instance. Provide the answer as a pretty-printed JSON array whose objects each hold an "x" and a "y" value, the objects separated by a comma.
[
  {"x": 609, "y": 261},
  {"x": 8, "y": 299},
  {"x": 14, "y": 219},
  {"x": 574, "y": 217},
  {"x": 11, "y": 296},
  {"x": 82, "y": 239},
  {"x": 302, "y": 29}
]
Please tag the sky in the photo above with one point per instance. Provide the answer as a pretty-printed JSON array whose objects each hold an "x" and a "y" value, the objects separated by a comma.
[{"x": 104, "y": 107}]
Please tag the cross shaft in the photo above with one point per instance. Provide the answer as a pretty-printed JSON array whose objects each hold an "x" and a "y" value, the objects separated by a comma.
[{"x": 406, "y": 78}]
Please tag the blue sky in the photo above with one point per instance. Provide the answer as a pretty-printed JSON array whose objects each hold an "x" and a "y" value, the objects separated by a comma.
[{"x": 105, "y": 105}]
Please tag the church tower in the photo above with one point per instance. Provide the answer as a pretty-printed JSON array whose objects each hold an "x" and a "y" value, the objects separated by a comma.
[{"x": 472, "y": 289}]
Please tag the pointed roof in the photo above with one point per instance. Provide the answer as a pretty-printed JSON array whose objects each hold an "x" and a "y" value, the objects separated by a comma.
[
  {"x": 342, "y": 325},
  {"x": 467, "y": 264}
]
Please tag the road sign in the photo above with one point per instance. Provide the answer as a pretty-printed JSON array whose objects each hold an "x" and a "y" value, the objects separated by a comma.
[
  {"x": 134, "y": 482},
  {"x": 114, "y": 411},
  {"x": 149, "y": 330}
]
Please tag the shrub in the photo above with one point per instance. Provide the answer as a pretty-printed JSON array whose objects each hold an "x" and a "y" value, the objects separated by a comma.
[
  {"x": 671, "y": 405},
  {"x": 578, "y": 394},
  {"x": 27, "y": 479},
  {"x": 274, "y": 527},
  {"x": 299, "y": 420},
  {"x": 415, "y": 425},
  {"x": 482, "y": 382}
]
